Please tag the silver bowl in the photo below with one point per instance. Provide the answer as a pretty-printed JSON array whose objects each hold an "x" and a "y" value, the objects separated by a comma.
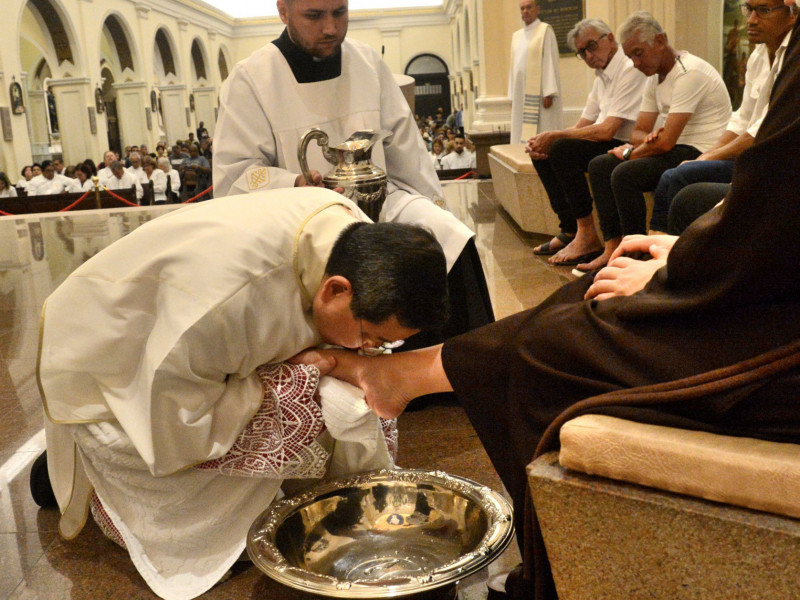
[{"x": 382, "y": 534}]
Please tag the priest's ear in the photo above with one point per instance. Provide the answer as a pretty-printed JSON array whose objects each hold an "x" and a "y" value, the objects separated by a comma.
[{"x": 335, "y": 289}]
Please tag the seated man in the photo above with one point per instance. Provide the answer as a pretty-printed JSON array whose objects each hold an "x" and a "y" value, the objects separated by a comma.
[
  {"x": 155, "y": 369},
  {"x": 561, "y": 158},
  {"x": 708, "y": 325},
  {"x": 769, "y": 23},
  {"x": 121, "y": 180},
  {"x": 136, "y": 168},
  {"x": 50, "y": 182},
  {"x": 684, "y": 91},
  {"x": 109, "y": 157},
  {"x": 460, "y": 157}
]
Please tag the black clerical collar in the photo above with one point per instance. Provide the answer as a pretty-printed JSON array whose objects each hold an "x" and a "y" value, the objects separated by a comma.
[{"x": 304, "y": 67}]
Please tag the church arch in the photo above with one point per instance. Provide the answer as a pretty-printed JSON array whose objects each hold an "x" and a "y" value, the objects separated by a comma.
[
  {"x": 223, "y": 63},
  {"x": 165, "y": 57},
  {"x": 117, "y": 46},
  {"x": 432, "y": 84},
  {"x": 199, "y": 61}
]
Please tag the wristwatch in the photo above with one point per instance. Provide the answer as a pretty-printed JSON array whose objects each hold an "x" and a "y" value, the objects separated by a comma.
[{"x": 626, "y": 154}]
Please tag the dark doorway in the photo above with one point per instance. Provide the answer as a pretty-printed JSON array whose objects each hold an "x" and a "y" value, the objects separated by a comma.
[
  {"x": 113, "y": 126},
  {"x": 432, "y": 84},
  {"x": 110, "y": 99}
]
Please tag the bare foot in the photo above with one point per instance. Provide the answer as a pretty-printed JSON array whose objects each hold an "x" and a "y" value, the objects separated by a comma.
[
  {"x": 557, "y": 243},
  {"x": 598, "y": 263},
  {"x": 580, "y": 246},
  {"x": 384, "y": 396}
]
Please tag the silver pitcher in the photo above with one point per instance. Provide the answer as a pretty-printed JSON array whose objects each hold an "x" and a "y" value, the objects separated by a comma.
[{"x": 363, "y": 182}]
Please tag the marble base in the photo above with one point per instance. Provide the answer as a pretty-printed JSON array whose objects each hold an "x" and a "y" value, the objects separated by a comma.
[
  {"x": 483, "y": 140},
  {"x": 612, "y": 540},
  {"x": 523, "y": 196}
]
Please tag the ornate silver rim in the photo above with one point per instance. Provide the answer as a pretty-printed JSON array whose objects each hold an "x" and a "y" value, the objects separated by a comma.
[{"x": 267, "y": 557}]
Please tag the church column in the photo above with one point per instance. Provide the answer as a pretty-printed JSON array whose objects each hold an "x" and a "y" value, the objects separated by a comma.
[
  {"x": 205, "y": 100},
  {"x": 496, "y": 25},
  {"x": 175, "y": 105},
  {"x": 131, "y": 112},
  {"x": 74, "y": 96},
  {"x": 390, "y": 39},
  {"x": 37, "y": 115}
]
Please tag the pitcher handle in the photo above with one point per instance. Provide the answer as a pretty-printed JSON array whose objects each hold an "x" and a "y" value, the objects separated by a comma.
[{"x": 322, "y": 140}]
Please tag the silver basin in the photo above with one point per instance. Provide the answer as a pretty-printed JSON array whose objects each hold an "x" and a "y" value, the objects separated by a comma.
[{"x": 382, "y": 534}]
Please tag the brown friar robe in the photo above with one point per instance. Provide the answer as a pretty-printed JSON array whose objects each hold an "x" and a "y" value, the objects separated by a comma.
[{"x": 730, "y": 292}]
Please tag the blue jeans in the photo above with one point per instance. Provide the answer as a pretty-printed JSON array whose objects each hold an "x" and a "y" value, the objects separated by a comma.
[{"x": 674, "y": 180}]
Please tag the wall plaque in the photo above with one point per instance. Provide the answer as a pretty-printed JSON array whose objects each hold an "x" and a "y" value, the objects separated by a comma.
[
  {"x": 92, "y": 120},
  {"x": 562, "y": 15},
  {"x": 5, "y": 121}
]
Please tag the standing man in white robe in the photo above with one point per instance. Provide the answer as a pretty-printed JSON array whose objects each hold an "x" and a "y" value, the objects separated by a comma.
[
  {"x": 311, "y": 76},
  {"x": 534, "y": 83},
  {"x": 152, "y": 359}
]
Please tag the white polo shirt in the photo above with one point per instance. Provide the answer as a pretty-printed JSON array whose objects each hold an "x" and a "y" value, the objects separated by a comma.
[
  {"x": 617, "y": 92},
  {"x": 692, "y": 86}
]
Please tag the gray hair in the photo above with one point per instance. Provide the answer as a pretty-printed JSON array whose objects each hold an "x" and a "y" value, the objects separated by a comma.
[
  {"x": 594, "y": 24},
  {"x": 643, "y": 23},
  {"x": 163, "y": 160},
  {"x": 135, "y": 155}
]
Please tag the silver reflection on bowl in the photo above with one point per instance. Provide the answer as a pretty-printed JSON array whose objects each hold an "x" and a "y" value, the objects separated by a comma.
[{"x": 382, "y": 534}]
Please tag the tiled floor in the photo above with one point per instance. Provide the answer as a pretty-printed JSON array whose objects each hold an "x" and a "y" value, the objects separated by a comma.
[{"x": 36, "y": 564}]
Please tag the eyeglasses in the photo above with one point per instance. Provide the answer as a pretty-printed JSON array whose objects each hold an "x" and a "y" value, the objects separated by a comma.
[
  {"x": 763, "y": 12},
  {"x": 590, "y": 47},
  {"x": 377, "y": 350}
]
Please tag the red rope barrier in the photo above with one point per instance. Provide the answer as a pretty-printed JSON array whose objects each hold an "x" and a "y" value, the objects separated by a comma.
[
  {"x": 82, "y": 198},
  {"x": 74, "y": 204},
  {"x": 465, "y": 175},
  {"x": 113, "y": 195},
  {"x": 201, "y": 194},
  {"x": 66, "y": 208}
]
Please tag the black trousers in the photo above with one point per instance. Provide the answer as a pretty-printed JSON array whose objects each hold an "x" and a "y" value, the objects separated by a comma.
[
  {"x": 693, "y": 201},
  {"x": 619, "y": 187},
  {"x": 563, "y": 177}
]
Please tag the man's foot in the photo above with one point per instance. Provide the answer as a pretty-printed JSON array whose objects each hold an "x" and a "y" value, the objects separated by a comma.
[
  {"x": 557, "y": 243},
  {"x": 598, "y": 263},
  {"x": 580, "y": 246}
]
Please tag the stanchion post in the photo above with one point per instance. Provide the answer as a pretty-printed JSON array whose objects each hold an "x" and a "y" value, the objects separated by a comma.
[{"x": 95, "y": 181}]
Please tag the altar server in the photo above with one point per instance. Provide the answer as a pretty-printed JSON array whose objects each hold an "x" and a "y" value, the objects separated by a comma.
[{"x": 311, "y": 76}]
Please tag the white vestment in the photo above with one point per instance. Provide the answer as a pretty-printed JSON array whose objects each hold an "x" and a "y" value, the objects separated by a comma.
[
  {"x": 549, "y": 118},
  {"x": 264, "y": 112},
  {"x": 148, "y": 358}
]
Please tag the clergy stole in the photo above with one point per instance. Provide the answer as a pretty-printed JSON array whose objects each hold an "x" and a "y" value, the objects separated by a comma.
[{"x": 533, "y": 83}]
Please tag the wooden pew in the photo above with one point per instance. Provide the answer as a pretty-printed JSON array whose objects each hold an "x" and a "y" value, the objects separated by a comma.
[{"x": 56, "y": 202}]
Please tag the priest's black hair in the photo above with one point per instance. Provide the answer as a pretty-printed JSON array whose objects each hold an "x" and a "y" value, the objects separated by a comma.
[{"x": 395, "y": 269}]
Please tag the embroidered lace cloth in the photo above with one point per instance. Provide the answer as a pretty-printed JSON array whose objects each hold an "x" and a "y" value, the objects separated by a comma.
[{"x": 279, "y": 441}]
